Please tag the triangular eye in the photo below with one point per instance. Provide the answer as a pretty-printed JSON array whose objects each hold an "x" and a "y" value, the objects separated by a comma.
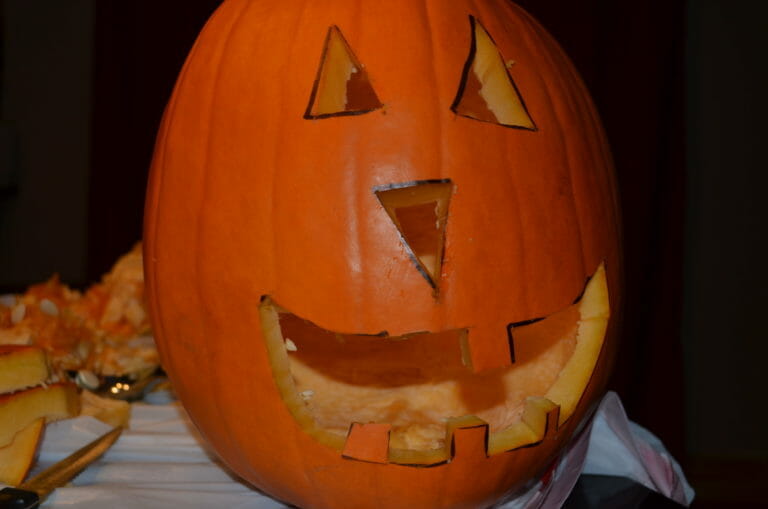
[
  {"x": 420, "y": 212},
  {"x": 341, "y": 86},
  {"x": 487, "y": 91}
]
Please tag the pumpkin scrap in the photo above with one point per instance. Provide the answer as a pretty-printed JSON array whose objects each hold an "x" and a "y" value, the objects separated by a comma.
[
  {"x": 105, "y": 330},
  {"x": 17, "y": 457}
]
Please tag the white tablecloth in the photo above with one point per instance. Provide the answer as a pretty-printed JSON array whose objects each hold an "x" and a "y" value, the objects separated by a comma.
[{"x": 160, "y": 463}]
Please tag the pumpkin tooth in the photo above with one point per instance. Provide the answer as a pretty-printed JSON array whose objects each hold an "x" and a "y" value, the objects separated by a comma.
[
  {"x": 540, "y": 418},
  {"x": 367, "y": 442},
  {"x": 467, "y": 436},
  {"x": 541, "y": 415},
  {"x": 482, "y": 349}
]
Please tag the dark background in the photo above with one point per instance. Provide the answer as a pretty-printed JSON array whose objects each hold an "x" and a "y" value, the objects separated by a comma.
[{"x": 681, "y": 88}]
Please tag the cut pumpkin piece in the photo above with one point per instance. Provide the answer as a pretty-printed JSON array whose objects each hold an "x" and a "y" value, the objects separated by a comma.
[
  {"x": 21, "y": 366},
  {"x": 114, "y": 412},
  {"x": 17, "y": 457},
  {"x": 20, "y": 409},
  {"x": 367, "y": 442}
]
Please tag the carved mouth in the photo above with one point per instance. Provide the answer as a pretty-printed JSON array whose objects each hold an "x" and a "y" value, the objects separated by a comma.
[{"x": 400, "y": 399}]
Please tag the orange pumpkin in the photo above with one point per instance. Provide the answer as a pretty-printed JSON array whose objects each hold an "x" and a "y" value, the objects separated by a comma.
[{"x": 368, "y": 231}]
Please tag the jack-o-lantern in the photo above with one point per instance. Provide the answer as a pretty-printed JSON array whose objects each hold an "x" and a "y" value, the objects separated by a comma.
[{"x": 382, "y": 249}]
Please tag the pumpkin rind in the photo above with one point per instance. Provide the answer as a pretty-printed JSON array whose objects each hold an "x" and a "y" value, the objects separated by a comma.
[{"x": 247, "y": 199}]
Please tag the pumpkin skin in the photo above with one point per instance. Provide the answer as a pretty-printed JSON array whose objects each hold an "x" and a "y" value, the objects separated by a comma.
[{"x": 248, "y": 198}]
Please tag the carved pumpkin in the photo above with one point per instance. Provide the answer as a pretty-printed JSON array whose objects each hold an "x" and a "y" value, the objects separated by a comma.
[{"x": 368, "y": 231}]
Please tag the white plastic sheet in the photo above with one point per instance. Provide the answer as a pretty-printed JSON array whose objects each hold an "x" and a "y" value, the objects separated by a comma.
[
  {"x": 610, "y": 445},
  {"x": 161, "y": 463}
]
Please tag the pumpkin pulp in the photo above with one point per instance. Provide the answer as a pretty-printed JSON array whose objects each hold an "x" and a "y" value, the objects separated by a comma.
[{"x": 420, "y": 383}]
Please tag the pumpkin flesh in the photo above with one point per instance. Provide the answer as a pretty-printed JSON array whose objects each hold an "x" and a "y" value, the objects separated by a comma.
[{"x": 417, "y": 383}]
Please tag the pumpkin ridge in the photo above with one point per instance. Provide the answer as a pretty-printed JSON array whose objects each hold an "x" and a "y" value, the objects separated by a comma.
[
  {"x": 570, "y": 104},
  {"x": 582, "y": 105},
  {"x": 296, "y": 454},
  {"x": 588, "y": 108},
  {"x": 200, "y": 225},
  {"x": 554, "y": 106},
  {"x": 356, "y": 212},
  {"x": 432, "y": 73},
  {"x": 155, "y": 183},
  {"x": 443, "y": 172},
  {"x": 156, "y": 188}
]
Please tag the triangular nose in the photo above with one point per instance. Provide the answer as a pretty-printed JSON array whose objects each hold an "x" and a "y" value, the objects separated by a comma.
[
  {"x": 341, "y": 86},
  {"x": 419, "y": 210}
]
